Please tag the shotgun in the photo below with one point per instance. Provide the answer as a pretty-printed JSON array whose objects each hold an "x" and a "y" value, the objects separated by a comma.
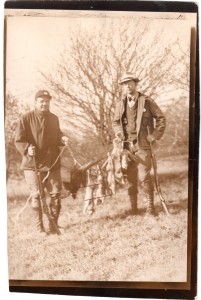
[
  {"x": 154, "y": 163},
  {"x": 43, "y": 204}
]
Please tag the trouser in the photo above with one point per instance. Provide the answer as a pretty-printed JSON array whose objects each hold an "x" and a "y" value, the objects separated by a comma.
[
  {"x": 139, "y": 169},
  {"x": 53, "y": 186}
]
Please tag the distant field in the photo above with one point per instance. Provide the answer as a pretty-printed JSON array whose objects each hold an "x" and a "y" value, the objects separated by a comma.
[{"x": 111, "y": 245}]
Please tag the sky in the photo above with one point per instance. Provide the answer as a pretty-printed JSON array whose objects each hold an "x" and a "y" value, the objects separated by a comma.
[{"x": 31, "y": 41}]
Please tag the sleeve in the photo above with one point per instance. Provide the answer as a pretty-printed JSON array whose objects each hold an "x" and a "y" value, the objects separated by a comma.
[
  {"x": 117, "y": 126},
  {"x": 21, "y": 141},
  {"x": 160, "y": 120},
  {"x": 59, "y": 133}
]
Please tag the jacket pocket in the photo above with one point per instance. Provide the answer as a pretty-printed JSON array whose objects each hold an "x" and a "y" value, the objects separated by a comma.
[{"x": 145, "y": 119}]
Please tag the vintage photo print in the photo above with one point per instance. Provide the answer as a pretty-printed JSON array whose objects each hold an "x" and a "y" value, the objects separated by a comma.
[{"x": 100, "y": 139}]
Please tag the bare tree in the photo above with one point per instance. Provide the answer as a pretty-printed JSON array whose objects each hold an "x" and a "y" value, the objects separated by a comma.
[
  {"x": 11, "y": 115},
  {"x": 13, "y": 110},
  {"x": 175, "y": 140}
]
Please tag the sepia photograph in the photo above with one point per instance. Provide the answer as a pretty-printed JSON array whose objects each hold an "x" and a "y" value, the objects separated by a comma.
[{"x": 98, "y": 133}]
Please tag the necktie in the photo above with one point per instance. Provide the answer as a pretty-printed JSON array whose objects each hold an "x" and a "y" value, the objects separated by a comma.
[{"x": 131, "y": 102}]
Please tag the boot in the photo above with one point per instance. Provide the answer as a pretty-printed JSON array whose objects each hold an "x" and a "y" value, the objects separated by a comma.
[
  {"x": 39, "y": 228},
  {"x": 150, "y": 203},
  {"x": 133, "y": 201},
  {"x": 55, "y": 212}
]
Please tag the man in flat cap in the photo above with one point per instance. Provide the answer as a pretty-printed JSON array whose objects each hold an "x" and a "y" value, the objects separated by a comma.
[
  {"x": 138, "y": 121},
  {"x": 38, "y": 137}
]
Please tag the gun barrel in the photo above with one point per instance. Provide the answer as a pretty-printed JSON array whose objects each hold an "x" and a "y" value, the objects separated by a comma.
[{"x": 157, "y": 181}]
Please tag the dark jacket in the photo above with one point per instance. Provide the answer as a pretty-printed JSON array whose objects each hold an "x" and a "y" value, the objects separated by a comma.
[
  {"x": 42, "y": 131},
  {"x": 147, "y": 111}
]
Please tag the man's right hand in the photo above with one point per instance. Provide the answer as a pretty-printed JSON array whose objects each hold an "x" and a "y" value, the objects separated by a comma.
[{"x": 31, "y": 150}]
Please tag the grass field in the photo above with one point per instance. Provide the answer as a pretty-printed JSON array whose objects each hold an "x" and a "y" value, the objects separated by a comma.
[{"x": 110, "y": 245}]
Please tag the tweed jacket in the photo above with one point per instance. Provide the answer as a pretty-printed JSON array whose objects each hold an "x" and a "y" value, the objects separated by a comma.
[
  {"x": 149, "y": 115},
  {"x": 43, "y": 132}
]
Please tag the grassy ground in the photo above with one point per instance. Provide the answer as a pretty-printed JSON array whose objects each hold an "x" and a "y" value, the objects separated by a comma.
[{"x": 110, "y": 245}]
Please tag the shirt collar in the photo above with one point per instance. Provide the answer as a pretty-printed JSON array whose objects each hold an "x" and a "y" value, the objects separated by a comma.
[{"x": 132, "y": 99}]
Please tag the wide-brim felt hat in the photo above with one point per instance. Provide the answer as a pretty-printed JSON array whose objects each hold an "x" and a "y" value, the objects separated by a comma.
[
  {"x": 127, "y": 77},
  {"x": 43, "y": 94}
]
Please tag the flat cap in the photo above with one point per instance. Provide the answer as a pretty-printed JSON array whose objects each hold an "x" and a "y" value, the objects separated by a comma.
[
  {"x": 127, "y": 77},
  {"x": 43, "y": 94}
]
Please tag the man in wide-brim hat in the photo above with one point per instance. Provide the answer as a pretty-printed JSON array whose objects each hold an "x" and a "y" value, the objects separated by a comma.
[{"x": 134, "y": 125}]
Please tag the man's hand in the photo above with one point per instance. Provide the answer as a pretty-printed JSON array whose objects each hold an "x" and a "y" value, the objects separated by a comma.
[
  {"x": 64, "y": 140},
  {"x": 150, "y": 138},
  {"x": 119, "y": 135},
  {"x": 31, "y": 150}
]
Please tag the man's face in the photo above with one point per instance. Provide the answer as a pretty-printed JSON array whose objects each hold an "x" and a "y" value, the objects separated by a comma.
[
  {"x": 42, "y": 104},
  {"x": 129, "y": 87}
]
